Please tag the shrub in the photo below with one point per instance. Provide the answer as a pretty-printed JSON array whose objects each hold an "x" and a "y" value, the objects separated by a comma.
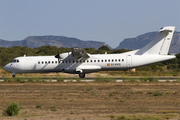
[
  {"x": 88, "y": 88},
  {"x": 30, "y": 80},
  {"x": 157, "y": 93},
  {"x": 144, "y": 79},
  {"x": 36, "y": 79},
  {"x": 110, "y": 94},
  {"x": 53, "y": 108},
  {"x": 11, "y": 80},
  {"x": 18, "y": 79},
  {"x": 38, "y": 106},
  {"x": 108, "y": 79},
  {"x": 12, "y": 109},
  {"x": 104, "y": 48},
  {"x": 172, "y": 66},
  {"x": 59, "y": 79},
  {"x": 121, "y": 100},
  {"x": 152, "y": 79},
  {"x": 99, "y": 78}
]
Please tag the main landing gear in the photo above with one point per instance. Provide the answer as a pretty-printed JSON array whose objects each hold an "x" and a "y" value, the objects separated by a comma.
[{"x": 81, "y": 75}]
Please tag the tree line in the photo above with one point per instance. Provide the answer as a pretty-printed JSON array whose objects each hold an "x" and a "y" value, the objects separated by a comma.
[{"x": 7, "y": 55}]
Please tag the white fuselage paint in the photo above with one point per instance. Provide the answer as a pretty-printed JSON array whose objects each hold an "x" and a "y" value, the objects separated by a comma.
[{"x": 99, "y": 62}]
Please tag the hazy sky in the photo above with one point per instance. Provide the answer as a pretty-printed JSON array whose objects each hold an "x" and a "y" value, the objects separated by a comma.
[{"x": 109, "y": 21}]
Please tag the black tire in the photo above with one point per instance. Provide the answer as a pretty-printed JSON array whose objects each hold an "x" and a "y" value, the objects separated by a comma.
[
  {"x": 13, "y": 76},
  {"x": 82, "y": 75}
]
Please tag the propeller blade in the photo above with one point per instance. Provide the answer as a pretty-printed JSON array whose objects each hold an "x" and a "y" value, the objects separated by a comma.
[{"x": 58, "y": 57}]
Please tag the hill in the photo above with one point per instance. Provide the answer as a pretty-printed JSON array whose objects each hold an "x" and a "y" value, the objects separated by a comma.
[
  {"x": 142, "y": 40},
  {"x": 58, "y": 41}
]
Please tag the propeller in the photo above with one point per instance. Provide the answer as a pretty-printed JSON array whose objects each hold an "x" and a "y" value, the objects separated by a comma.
[{"x": 58, "y": 56}]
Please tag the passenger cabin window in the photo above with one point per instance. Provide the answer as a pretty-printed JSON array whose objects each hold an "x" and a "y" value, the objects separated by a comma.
[
  {"x": 105, "y": 60},
  {"x": 122, "y": 59},
  {"x": 108, "y": 60},
  {"x": 49, "y": 62},
  {"x": 101, "y": 60},
  {"x": 98, "y": 60},
  {"x": 38, "y": 62},
  {"x": 52, "y": 62},
  {"x": 56, "y": 62},
  {"x": 94, "y": 60},
  {"x": 42, "y": 62},
  {"x": 119, "y": 60}
]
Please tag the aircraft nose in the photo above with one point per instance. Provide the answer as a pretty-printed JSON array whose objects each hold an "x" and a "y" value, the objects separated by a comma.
[{"x": 5, "y": 68}]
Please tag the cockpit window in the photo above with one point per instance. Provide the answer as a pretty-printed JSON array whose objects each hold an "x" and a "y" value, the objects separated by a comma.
[{"x": 15, "y": 61}]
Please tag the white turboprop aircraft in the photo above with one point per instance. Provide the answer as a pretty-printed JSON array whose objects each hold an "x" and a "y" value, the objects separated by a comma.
[{"x": 80, "y": 62}]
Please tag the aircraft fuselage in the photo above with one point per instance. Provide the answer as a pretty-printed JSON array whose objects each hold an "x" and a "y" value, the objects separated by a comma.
[{"x": 100, "y": 62}]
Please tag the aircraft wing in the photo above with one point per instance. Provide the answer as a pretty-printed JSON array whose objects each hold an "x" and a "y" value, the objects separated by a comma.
[{"x": 79, "y": 53}]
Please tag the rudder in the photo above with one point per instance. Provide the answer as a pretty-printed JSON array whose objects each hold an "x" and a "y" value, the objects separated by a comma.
[{"x": 160, "y": 45}]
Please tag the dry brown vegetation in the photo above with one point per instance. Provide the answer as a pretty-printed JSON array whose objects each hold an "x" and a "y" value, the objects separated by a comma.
[{"x": 92, "y": 101}]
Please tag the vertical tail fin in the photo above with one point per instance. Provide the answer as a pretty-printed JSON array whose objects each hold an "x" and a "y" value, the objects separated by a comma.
[{"x": 160, "y": 45}]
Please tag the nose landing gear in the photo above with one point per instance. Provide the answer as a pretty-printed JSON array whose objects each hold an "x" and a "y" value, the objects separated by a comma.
[{"x": 13, "y": 75}]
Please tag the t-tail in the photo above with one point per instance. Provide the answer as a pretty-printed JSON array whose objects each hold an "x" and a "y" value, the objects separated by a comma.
[{"x": 160, "y": 45}]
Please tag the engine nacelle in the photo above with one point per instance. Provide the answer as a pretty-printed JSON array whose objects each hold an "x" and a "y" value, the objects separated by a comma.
[{"x": 78, "y": 52}]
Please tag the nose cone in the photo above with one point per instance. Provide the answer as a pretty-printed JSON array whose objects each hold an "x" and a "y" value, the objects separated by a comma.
[{"x": 5, "y": 68}]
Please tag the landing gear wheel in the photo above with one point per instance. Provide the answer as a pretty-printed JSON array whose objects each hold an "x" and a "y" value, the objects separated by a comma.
[
  {"x": 13, "y": 75},
  {"x": 81, "y": 75}
]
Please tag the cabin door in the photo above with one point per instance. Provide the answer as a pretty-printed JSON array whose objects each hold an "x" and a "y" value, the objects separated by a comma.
[{"x": 129, "y": 61}]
